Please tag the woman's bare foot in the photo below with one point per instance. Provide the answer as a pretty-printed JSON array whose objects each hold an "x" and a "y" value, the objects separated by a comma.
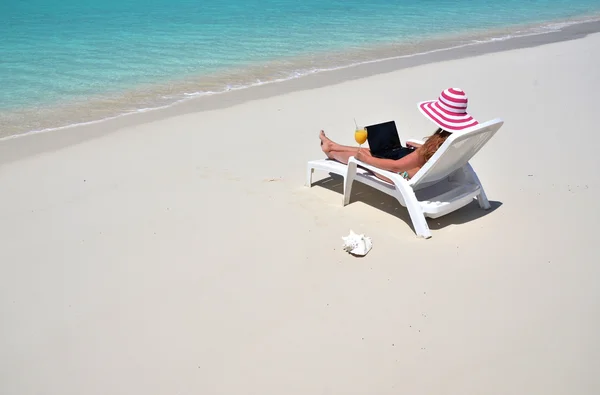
[{"x": 326, "y": 143}]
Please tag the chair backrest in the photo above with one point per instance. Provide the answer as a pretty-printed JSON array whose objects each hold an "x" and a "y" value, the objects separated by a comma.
[{"x": 456, "y": 152}]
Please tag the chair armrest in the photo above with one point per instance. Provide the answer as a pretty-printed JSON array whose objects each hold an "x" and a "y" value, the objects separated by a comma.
[
  {"x": 415, "y": 142},
  {"x": 388, "y": 174}
]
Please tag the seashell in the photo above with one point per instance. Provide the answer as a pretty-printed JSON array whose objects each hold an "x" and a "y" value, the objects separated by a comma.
[{"x": 357, "y": 244}]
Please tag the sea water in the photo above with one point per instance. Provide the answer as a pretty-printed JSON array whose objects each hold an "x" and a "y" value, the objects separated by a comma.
[{"x": 69, "y": 61}]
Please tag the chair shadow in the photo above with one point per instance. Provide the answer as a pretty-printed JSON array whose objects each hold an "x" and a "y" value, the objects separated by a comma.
[{"x": 389, "y": 204}]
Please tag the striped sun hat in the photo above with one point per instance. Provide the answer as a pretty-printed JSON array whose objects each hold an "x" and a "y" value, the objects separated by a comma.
[{"x": 449, "y": 111}]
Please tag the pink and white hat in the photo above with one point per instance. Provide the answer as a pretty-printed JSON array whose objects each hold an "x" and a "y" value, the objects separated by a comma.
[{"x": 449, "y": 111}]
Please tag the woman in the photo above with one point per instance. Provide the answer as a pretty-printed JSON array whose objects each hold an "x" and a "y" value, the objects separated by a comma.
[{"x": 448, "y": 112}]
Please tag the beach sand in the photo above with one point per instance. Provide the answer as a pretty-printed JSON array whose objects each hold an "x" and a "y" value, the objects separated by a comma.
[{"x": 183, "y": 255}]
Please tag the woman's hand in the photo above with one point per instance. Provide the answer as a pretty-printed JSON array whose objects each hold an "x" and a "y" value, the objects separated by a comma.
[{"x": 364, "y": 155}]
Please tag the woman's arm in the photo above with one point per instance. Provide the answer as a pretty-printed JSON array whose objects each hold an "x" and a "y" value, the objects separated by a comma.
[{"x": 407, "y": 163}]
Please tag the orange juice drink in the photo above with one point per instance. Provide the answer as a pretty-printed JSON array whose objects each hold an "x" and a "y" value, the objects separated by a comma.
[{"x": 360, "y": 135}]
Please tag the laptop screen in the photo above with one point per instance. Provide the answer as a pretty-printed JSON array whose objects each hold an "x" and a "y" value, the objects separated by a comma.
[{"x": 383, "y": 137}]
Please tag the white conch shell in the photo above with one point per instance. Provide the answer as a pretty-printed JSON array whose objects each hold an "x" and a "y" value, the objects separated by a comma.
[{"x": 357, "y": 244}]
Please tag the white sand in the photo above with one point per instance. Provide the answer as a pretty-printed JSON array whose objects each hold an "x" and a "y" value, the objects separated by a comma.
[{"x": 155, "y": 261}]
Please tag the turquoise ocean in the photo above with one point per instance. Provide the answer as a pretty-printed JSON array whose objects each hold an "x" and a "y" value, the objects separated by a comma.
[{"x": 65, "y": 62}]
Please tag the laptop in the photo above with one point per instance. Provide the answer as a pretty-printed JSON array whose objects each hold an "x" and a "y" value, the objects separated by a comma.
[{"x": 384, "y": 141}]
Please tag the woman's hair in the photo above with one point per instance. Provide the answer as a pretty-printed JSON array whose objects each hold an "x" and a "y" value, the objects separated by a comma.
[{"x": 433, "y": 143}]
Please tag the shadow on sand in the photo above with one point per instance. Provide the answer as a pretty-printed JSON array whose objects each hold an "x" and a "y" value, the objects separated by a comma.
[{"x": 377, "y": 199}]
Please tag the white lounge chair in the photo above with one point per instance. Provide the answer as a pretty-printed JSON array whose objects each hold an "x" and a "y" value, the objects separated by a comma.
[{"x": 444, "y": 184}]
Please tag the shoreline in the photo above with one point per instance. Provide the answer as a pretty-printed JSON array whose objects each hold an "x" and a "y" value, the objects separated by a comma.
[
  {"x": 149, "y": 97},
  {"x": 15, "y": 147}
]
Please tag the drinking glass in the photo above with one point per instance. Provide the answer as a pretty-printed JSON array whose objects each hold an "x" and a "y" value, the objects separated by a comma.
[{"x": 360, "y": 135}]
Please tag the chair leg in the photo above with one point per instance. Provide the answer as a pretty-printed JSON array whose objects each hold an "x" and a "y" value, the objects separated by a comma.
[
  {"x": 418, "y": 220},
  {"x": 414, "y": 210},
  {"x": 482, "y": 197},
  {"x": 348, "y": 180},
  {"x": 309, "y": 173},
  {"x": 483, "y": 200}
]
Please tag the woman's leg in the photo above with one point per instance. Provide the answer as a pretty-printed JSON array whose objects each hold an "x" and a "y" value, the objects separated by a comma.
[
  {"x": 333, "y": 150},
  {"x": 341, "y": 153}
]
